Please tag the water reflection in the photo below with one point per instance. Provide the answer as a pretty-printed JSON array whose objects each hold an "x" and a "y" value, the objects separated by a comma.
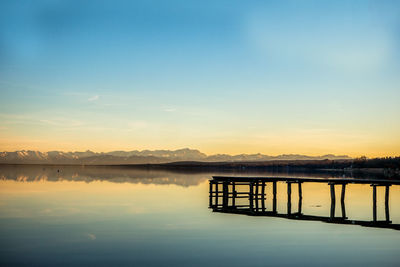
[
  {"x": 224, "y": 194},
  {"x": 145, "y": 175},
  {"x": 107, "y": 216},
  {"x": 114, "y": 174}
]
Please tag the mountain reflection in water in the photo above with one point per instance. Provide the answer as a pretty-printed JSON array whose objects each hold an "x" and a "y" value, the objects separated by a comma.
[
  {"x": 132, "y": 174},
  {"x": 114, "y": 174}
]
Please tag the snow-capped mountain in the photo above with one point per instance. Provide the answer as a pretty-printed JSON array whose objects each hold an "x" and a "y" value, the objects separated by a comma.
[{"x": 140, "y": 157}]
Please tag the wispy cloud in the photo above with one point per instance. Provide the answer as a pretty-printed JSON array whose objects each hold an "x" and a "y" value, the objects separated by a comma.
[
  {"x": 14, "y": 116},
  {"x": 26, "y": 119},
  {"x": 170, "y": 109},
  {"x": 62, "y": 122},
  {"x": 14, "y": 119},
  {"x": 93, "y": 98}
]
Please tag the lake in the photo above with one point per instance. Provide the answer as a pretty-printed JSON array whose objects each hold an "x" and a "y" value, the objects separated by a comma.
[{"x": 120, "y": 216}]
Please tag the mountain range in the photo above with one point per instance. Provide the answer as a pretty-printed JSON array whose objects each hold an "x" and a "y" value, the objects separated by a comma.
[{"x": 142, "y": 157}]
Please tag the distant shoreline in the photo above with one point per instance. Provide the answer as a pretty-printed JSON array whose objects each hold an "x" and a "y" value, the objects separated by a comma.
[{"x": 388, "y": 167}]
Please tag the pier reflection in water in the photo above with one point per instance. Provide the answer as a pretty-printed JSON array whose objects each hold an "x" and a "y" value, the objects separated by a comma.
[{"x": 226, "y": 192}]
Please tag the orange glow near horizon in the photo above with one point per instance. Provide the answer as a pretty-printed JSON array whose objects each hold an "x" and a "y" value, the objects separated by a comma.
[{"x": 296, "y": 145}]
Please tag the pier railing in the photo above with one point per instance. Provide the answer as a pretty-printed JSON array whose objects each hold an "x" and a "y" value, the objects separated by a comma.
[{"x": 224, "y": 197}]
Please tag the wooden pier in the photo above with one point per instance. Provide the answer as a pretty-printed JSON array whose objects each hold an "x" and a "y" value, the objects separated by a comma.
[{"x": 223, "y": 197}]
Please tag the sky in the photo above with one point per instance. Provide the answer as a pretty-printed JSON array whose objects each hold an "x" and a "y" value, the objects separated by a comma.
[{"x": 271, "y": 77}]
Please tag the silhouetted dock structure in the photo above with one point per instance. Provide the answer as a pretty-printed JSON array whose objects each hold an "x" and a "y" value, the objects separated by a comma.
[{"x": 224, "y": 197}]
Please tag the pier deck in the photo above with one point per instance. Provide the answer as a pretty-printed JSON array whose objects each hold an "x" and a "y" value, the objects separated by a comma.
[{"x": 223, "y": 197}]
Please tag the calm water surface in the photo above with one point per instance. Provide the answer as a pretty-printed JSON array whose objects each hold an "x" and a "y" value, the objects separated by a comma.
[{"x": 117, "y": 216}]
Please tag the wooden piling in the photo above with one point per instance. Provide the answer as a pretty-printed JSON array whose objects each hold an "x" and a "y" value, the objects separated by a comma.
[
  {"x": 342, "y": 201},
  {"x": 374, "y": 202},
  {"x": 257, "y": 196},
  {"x": 251, "y": 195},
  {"x": 300, "y": 198},
  {"x": 274, "y": 197},
  {"x": 233, "y": 195},
  {"x": 263, "y": 196},
  {"x": 333, "y": 197},
  {"x": 299, "y": 208},
  {"x": 300, "y": 190},
  {"x": 210, "y": 202},
  {"x": 289, "y": 198},
  {"x": 387, "y": 203},
  {"x": 216, "y": 194},
  {"x": 333, "y": 201},
  {"x": 225, "y": 190},
  {"x": 343, "y": 192}
]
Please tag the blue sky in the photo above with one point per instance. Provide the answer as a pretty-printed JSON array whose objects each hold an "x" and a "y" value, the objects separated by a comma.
[{"x": 274, "y": 77}]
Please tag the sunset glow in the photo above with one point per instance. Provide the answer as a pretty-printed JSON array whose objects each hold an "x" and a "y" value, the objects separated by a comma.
[{"x": 275, "y": 78}]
